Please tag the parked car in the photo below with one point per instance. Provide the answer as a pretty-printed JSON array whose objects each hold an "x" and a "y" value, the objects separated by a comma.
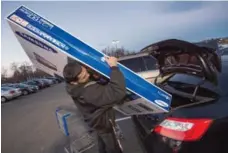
[
  {"x": 50, "y": 81},
  {"x": 25, "y": 89},
  {"x": 8, "y": 93},
  {"x": 44, "y": 83},
  {"x": 34, "y": 83},
  {"x": 47, "y": 82},
  {"x": 57, "y": 80},
  {"x": 34, "y": 88},
  {"x": 198, "y": 119},
  {"x": 6, "y": 84},
  {"x": 144, "y": 65}
]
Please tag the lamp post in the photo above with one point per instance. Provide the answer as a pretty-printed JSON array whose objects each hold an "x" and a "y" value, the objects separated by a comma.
[{"x": 115, "y": 42}]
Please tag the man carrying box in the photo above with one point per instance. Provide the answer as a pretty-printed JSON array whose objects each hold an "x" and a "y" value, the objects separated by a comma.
[{"x": 95, "y": 100}]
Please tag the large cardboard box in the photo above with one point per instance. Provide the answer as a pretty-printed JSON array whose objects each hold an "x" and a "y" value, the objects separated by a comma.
[{"x": 50, "y": 48}]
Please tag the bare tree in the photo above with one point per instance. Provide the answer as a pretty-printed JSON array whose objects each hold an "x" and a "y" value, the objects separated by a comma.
[
  {"x": 16, "y": 73},
  {"x": 3, "y": 74},
  {"x": 117, "y": 52},
  {"x": 25, "y": 70},
  {"x": 39, "y": 73},
  {"x": 14, "y": 66}
]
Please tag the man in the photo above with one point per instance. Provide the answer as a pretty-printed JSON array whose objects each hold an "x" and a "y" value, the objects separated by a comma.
[{"x": 95, "y": 100}]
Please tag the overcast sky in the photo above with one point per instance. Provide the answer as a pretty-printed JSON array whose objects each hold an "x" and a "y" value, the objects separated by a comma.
[{"x": 134, "y": 24}]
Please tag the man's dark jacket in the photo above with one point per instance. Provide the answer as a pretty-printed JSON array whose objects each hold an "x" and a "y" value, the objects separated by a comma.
[{"x": 95, "y": 101}]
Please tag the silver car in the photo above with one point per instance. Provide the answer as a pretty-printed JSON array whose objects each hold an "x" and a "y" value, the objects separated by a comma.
[
  {"x": 8, "y": 93},
  {"x": 144, "y": 65}
]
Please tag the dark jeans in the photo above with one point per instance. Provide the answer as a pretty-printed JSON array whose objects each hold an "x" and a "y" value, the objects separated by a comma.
[{"x": 106, "y": 143}]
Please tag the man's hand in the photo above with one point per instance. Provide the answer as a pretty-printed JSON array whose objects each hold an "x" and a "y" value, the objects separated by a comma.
[{"x": 112, "y": 61}]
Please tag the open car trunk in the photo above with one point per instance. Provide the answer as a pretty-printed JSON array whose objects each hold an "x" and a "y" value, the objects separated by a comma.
[
  {"x": 184, "y": 58},
  {"x": 180, "y": 57}
]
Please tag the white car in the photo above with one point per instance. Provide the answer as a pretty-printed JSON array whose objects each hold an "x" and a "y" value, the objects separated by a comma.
[
  {"x": 144, "y": 65},
  {"x": 8, "y": 93}
]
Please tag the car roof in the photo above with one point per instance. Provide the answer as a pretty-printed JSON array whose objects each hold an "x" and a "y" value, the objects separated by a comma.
[
  {"x": 5, "y": 87},
  {"x": 132, "y": 56}
]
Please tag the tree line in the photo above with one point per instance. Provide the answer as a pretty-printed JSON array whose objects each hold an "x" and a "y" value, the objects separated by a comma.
[
  {"x": 21, "y": 72},
  {"x": 25, "y": 71}
]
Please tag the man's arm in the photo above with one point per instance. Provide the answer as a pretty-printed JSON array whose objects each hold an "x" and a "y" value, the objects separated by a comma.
[{"x": 113, "y": 92}]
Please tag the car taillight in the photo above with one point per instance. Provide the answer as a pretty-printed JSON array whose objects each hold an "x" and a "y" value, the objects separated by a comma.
[
  {"x": 183, "y": 129},
  {"x": 12, "y": 92}
]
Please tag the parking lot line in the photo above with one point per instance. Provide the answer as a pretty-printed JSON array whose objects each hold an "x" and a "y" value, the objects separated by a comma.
[{"x": 124, "y": 118}]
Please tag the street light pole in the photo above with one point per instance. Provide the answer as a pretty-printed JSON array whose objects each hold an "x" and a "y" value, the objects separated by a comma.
[{"x": 115, "y": 42}]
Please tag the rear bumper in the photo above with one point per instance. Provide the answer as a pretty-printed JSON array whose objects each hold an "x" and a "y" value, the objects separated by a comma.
[
  {"x": 156, "y": 143},
  {"x": 152, "y": 142}
]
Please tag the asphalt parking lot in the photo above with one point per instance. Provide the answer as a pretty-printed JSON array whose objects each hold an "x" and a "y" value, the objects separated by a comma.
[{"x": 29, "y": 124}]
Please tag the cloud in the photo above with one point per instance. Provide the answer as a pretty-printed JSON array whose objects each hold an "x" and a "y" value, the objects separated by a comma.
[
  {"x": 134, "y": 24},
  {"x": 138, "y": 27}
]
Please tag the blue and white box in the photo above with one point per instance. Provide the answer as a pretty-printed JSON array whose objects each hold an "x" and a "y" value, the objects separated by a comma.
[{"x": 50, "y": 48}]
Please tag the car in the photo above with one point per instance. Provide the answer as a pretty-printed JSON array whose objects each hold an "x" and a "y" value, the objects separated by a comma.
[
  {"x": 144, "y": 65},
  {"x": 53, "y": 81},
  {"x": 34, "y": 88},
  {"x": 8, "y": 93},
  {"x": 6, "y": 84},
  {"x": 25, "y": 89},
  {"x": 44, "y": 83},
  {"x": 47, "y": 82},
  {"x": 34, "y": 83},
  {"x": 56, "y": 80},
  {"x": 198, "y": 118}
]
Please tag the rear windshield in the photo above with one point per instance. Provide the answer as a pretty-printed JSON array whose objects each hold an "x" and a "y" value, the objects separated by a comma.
[
  {"x": 140, "y": 64},
  {"x": 23, "y": 85},
  {"x": 150, "y": 63},
  {"x": 135, "y": 64}
]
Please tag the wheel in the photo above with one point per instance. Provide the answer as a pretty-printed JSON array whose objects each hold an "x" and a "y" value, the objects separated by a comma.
[
  {"x": 3, "y": 99},
  {"x": 25, "y": 92}
]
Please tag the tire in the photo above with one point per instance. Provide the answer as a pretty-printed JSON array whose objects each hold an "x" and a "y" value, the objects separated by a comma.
[
  {"x": 3, "y": 99},
  {"x": 25, "y": 92}
]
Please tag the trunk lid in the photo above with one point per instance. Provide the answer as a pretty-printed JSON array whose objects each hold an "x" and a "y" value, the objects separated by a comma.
[{"x": 177, "y": 56}]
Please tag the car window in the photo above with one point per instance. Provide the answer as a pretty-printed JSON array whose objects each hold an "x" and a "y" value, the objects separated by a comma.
[
  {"x": 135, "y": 64},
  {"x": 150, "y": 63},
  {"x": 13, "y": 85},
  {"x": 3, "y": 89},
  {"x": 178, "y": 80},
  {"x": 225, "y": 53},
  {"x": 6, "y": 88},
  {"x": 23, "y": 85}
]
